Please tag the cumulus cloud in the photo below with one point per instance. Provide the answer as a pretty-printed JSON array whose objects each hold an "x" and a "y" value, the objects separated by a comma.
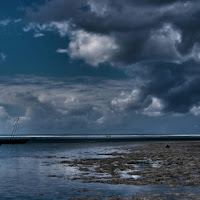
[
  {"x": 138, "y": 103},
  {"x": 56, "y": 105},
  {"x": 127, "y": 101},
  {"x": 155, "y": 42},
  {"x": 67, "y": 106},
  {"x": 93, "y": 48},
  {"x": 155, "y": 108},
  {"x": 60, "y": 106},
  {"x": 170, "y": 28},
  {"x": 175, "y": 84},
  {"x": 162, "y": 44}
]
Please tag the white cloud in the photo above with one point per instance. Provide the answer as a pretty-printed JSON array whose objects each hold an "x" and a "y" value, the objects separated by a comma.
[
  {"x": 61, "y": 28},
  {"x": 2, "y": 56},
  {"x": 57, "y": 105},
  {"x": 37, "y": 35},
  {"x": 125, "y": 100},
  {"x": 92, "y": 48},
  {"x": 155, "y": 108},
  {"x": 133, "y": 102},
  {"x": 73, "y": 105},
  {"x": 4, "y": 22},
  {"x": 62, "y": 51},
  {"x": 3, "y": 113},
  {"x": 195, "y": 110}
]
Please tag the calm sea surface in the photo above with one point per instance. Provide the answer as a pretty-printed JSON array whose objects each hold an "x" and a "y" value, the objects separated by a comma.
[{"x": 33, "y": 171}]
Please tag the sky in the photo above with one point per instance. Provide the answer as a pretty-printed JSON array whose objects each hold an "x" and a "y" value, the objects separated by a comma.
[{"x": 100, "y": 67}]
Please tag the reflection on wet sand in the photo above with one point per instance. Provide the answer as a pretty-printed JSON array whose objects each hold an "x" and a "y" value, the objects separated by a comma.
[
  {"x": 100, "y": 171},
  {"x": 150, "y": 164},
  {"x": 172, "y": 164}
]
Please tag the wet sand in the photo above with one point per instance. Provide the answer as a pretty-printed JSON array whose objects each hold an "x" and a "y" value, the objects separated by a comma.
[
  {"x": 148, "y": 164},
  {"x": 172, "y": 164},
  {"x": 166, "y": 196}
]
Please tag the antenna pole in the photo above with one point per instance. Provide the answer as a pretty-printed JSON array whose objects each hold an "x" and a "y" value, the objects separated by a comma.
[{"x": 14, "y": 128}]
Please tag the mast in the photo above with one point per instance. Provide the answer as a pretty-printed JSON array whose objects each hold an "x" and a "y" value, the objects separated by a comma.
[{"x": 15, "y": 128}]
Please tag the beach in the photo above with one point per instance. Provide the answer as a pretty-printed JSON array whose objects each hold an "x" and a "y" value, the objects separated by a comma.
[
  {"x": 171, "y": 163},
  {"x": 128, "y": 170}
]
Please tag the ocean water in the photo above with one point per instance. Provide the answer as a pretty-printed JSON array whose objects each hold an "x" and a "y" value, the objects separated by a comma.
[{"x": 33, "y": 171}]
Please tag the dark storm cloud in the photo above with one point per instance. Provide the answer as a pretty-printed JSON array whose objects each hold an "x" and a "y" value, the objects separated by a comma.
[
  {"x": 54, "y": 10},
  {"x": 88, "y": 105},
  {"x": 131, "y": 23},
  {"x": 161, "y": 35},
  {"x": 176, "y": 85},
  {"x": 59, "y": 105}
]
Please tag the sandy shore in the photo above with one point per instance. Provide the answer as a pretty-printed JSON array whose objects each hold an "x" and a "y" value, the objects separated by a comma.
[
  {"x": 149, "y": 164},
  {"x": 166, "y": 164},
  {"x": 166, "y": 196},
  {"x": 172, "y": 164}
]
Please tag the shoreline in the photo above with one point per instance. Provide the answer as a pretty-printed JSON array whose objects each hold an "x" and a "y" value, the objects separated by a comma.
[
  {"x": 175, "y": 166},
  {"x": 103, "y": 138},
  {"x": 147, "y": 164},
  {"x": 110, "y": 171}
]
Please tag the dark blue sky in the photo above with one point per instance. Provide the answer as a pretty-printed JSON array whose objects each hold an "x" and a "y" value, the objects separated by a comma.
[{"x": 100, "y": 66}]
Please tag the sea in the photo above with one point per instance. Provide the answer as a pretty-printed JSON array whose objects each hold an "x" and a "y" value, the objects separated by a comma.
[{"x": 33, "y": 170}]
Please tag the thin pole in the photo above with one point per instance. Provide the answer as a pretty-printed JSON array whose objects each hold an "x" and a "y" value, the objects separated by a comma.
[{"x": 14, "y": 128}]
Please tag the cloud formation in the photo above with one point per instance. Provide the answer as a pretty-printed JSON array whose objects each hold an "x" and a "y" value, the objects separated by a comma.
[
  {"x": 146, "y": 30},
  {"x": 7, "y": 21},
  {"x": 62, "y": 28},
  {"x": 90, "y": 105},
  {"x": 155, "y": 42},
  {"x": 66, "y": 106},
  {"x": 92, "y": 48}
]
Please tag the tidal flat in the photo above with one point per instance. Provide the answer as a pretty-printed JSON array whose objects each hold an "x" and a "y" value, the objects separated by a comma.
[
  {"x": 172, "y": 164},
  {"x": 110, "y": 171}
]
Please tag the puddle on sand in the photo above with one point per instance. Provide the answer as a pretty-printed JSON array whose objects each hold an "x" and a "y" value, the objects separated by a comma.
[{"x": 125, "y": 174}]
